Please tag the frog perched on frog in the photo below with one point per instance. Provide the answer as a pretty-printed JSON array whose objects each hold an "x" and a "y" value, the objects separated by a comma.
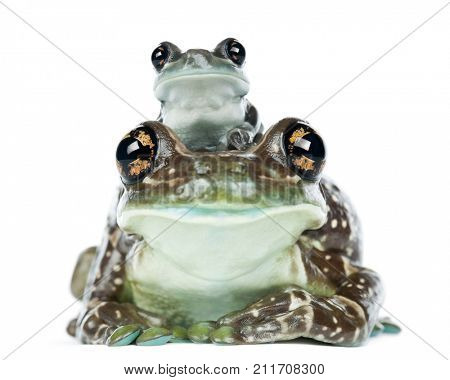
[{"x": 221, "y": 233}]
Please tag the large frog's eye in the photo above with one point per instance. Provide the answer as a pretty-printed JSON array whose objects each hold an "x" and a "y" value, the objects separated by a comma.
[
  {"x": 235, "y": 51},
  {"x": 305, "y": 151},
  {"x": 136, "y": 153}
]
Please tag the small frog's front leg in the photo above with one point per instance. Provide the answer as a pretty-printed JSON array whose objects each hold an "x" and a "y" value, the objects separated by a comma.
[{"x": 345, "y": 318}]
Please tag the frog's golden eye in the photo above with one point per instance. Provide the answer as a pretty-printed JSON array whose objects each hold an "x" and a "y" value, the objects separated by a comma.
[
  {"x": 305, "y": 151},
  {"x": 235, "y": 51},
  {"x": 136, "y": 153}
]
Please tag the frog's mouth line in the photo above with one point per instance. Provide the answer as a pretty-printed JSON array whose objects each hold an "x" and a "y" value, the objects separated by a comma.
[
  {"x": 198, "y": 74},
  {"x": 219, "y": 245}
]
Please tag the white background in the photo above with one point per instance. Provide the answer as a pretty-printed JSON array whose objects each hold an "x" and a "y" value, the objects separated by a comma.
[{"x": 387, "y": 135}]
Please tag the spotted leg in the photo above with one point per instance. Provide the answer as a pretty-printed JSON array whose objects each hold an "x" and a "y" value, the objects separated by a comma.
[
  {"x": 106, "y": 317},
  {"x": 345, "y": 318},
  {"x": 117, "y": 324}
]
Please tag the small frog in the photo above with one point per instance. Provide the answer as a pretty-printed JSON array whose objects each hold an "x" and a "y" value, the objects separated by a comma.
[
  {"x": 228, "y": 247},
  {"x": 202, "y": 96}
]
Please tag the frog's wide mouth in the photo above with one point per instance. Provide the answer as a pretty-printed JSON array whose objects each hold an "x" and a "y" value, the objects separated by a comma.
[
  {"x": 219, "y": 243},
  {"x": 196, "y": 78},
  {"x": 312, "y": 214}
]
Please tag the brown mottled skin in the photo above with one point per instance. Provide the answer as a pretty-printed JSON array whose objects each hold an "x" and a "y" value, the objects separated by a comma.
[
  {"x": 339, "y": 303},
  {"x": 102, "y": 310}
]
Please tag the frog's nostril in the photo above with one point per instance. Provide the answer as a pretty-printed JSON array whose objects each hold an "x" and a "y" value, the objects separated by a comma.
[
  {"x": 196, "y": 58},
  {"x": 202, "y": 168}
]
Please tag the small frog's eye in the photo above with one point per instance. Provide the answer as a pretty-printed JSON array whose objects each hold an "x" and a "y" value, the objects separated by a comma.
[
  {"x": 235, "y": 51},
  {"x": 136, "y": 153},
  {"x": 160, "y": 56},
  {"x": 165, "y": 52},
  {"x": 305, "y": 151}
]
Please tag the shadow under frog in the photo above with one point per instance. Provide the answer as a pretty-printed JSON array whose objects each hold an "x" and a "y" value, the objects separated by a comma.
[{"x": 220, "y": 233}]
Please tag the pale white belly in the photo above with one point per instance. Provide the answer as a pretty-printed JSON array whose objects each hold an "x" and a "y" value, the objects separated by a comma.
[{"x": 160, "y": 285}]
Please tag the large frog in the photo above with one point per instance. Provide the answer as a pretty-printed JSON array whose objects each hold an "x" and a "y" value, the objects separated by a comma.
[{"x": 249, "y": 245}]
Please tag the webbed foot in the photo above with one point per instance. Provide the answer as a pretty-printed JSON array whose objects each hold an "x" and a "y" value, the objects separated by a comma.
[
  {"x": 115, "y": 324},
  {"x": 154, "y": 336},
  {"x": 124, "y": 335},
  {"x": 128, "y": 334}
]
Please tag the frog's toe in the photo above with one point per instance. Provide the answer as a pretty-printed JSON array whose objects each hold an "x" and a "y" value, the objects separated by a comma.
[
  {"x": 124, "y": 335},
  {"x": 179, "y": 335},
  {"x": 154, "y": 336},
  {"x": 385, "y": 326},
  {"x": 199, "y": 332},
  {"x": 377, "y": 329},
  {"x": 223, "y": 335},
  {"x": 390, "y": 327}
]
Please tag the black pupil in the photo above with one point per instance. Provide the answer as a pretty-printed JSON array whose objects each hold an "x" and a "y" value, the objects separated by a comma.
[
  {"x": 159, "y": 56},
  {"x": 236, "y": 52}
]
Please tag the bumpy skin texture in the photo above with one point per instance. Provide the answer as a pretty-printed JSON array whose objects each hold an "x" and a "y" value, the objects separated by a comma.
[
  {"x": 330, "y": 256},
  {"x": 339, "y": 303}
]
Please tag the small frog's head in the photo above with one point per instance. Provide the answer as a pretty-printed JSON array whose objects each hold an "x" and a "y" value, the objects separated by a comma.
[
  {"x": 201, "y": 91},
  {"x": 220, "y": 215},
  {"x": 176, "y": 68}
]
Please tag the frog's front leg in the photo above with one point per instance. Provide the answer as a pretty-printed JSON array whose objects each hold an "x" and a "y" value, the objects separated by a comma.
[
  {"x": 345, "y": 318},
  {"x": 105, "y": 317},
  {"x": 118, "y": 324}
]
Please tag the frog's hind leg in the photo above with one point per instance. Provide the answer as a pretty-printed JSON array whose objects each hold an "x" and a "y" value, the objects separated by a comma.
[
  {"x": 79, "y": 279},
  {"x": 72, "y": 327},
  {"x": 81, "y": 271}
]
